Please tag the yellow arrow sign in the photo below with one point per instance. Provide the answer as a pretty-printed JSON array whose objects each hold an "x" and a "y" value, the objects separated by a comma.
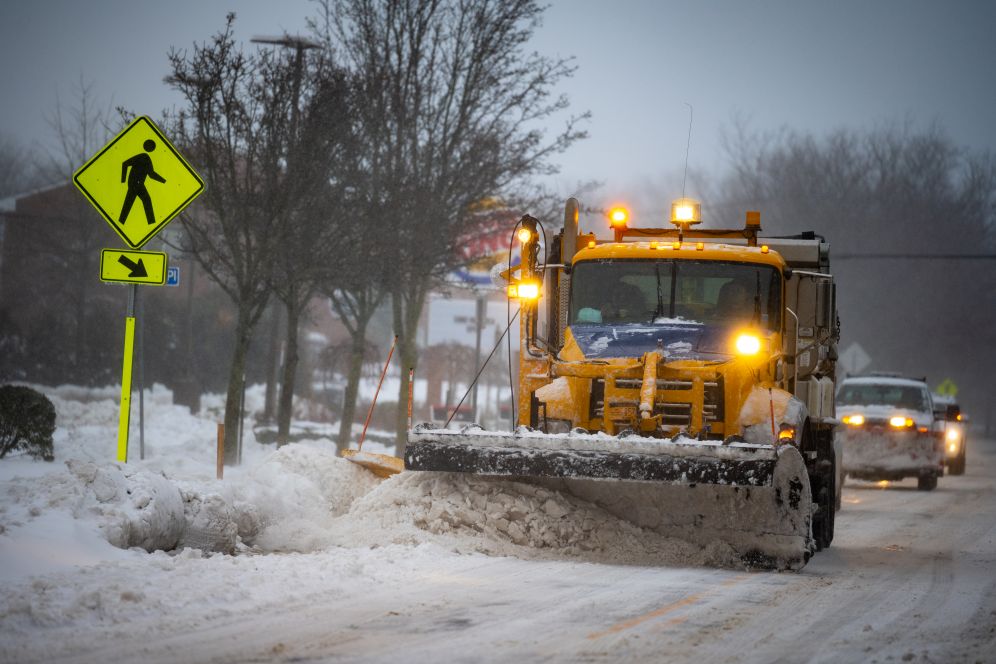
[
  {"x": 133, "y": 267},
  {"x": 138, "y": 182},
  {"x": 947, "y": 388}
]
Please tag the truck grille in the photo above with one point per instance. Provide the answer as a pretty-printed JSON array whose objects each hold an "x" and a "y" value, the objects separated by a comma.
[
  {"x": 596, "y": 406},
  {"x": 674, "y": 413},
  {"x": 679, "y": 413}
]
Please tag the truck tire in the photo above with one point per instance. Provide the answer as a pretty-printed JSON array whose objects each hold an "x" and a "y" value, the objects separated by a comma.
[
  {"x": 822, "y": 482},
  {"x": 825, "y": 516},
  {"x": 926, "y": 482}
]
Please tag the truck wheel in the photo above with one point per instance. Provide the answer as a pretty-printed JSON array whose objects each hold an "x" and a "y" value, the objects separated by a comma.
[
  {"x": 823, "y": 520},
  {"x": 824, "y": 497},
  {"x": 957, "y": 465},
  {"x": 926, "y": 482}
]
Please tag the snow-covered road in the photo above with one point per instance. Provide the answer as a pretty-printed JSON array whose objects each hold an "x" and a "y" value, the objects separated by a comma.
[{"x": 911, "y": 577}]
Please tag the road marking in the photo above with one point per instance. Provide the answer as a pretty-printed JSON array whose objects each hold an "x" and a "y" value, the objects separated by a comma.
[{"x": 667, "y": 608}]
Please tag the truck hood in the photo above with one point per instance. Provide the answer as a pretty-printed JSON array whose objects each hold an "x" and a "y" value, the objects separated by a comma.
[{"x": 680, "y": 341}]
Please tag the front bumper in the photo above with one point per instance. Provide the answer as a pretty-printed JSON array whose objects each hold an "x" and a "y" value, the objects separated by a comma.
[{"x": 886, "y": 455}]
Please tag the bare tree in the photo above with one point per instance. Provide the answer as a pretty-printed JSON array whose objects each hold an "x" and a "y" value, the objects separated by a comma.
[
  {"x": 452, "y": 106},
  {"x": 80, "y": 128},
  {"x": 72, "y": 242},
  {"x": 234, "y": 128},
  {"x": 355, "y": 292},
  {"x": 18, "y": 170},
  {"x": 310, "y": 248},
  {"x": 900, "y": 191}
]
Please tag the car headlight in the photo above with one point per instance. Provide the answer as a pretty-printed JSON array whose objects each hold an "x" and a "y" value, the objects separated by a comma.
[
  {"x": 900, "y": 422},
  {"x": 854, "y": 420}
]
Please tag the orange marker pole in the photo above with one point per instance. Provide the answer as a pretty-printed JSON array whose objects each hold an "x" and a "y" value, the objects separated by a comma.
[{"x": 359, "y": 445}]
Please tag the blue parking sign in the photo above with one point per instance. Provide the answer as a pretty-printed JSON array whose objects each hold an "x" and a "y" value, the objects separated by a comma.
[{"x": 172, "y": 276}]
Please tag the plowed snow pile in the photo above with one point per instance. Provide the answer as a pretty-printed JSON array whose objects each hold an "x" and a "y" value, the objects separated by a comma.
[
  {"x": 301, "y": 498},
  {"x": 473, "y": 514}
]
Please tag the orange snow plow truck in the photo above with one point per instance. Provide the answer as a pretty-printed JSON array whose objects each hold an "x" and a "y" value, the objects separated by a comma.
[{"x": 680, "y": 378}]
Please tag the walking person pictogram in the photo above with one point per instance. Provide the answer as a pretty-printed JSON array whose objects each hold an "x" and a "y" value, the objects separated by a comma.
[{"x": 141, "y": 168}]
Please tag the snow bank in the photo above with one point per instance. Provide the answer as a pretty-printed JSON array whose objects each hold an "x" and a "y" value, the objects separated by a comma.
[
  {"x": 474, "y": 514},
  {"x": 297, "y": 492},
  {"x": 131, "y": 507},
  {"x": 301, "y": 498}
]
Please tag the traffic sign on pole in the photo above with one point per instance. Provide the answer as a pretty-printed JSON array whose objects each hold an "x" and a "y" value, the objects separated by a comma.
[
  {"x": 947, "y": 388},
  {"x": 141, "y": 166},
  {"x": 133, "y": 267},
  {"x": 138, "y": 165},
  {"x": 854, "y": 359}
]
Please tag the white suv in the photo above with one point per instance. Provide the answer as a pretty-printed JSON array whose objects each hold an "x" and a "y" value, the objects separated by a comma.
[{"x": 889, "y": 431}]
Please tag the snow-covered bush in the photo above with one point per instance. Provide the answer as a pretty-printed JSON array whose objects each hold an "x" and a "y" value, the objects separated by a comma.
[{"x": 27, "y": 422}]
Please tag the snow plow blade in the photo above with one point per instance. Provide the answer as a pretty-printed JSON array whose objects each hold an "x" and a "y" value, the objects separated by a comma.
[{"x": 754, "y": 498}]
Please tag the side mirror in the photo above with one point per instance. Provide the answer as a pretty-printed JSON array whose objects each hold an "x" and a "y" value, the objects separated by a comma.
[{"x": 951, "y": 413}]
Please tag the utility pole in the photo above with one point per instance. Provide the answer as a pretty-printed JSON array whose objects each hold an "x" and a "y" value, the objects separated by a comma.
[{"x": 480, "y": 320}]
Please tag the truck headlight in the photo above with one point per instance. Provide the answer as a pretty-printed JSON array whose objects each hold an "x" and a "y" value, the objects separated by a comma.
[
  {"x": 748, "y": 344},
  {"x": 951, "y": 435},
  {"x": 854, "y": 420},
  {"x": 900, "y": 422}
]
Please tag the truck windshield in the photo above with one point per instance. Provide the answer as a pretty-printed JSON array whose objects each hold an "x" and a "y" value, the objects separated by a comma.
[
  {"x": 667, "y": 291},
  {"x": 871, "y": 394}
]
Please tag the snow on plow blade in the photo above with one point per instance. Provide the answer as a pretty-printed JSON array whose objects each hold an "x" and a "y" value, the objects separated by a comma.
[{"x": 754, "y": 498}]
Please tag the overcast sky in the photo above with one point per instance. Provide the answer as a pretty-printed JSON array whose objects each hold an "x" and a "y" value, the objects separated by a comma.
[{"x": 806, "y": 66}]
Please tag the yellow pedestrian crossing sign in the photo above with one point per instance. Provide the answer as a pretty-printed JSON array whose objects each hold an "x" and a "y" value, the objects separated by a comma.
[
  {"x": 138, "y": 182},
  {"x": 133, "y": 267}
]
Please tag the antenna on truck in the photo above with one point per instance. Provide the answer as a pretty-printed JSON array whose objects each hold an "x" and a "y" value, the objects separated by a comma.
[{"x": 688, "y": 145}]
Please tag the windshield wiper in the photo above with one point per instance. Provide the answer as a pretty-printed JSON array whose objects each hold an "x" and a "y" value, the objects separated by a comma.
[
  {"x": 659, "y": 311},
  {"x": 757, "y": 300}
]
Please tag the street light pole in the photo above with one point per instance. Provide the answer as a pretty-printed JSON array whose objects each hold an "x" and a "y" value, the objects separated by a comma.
[{"x": 300, "y": 45}]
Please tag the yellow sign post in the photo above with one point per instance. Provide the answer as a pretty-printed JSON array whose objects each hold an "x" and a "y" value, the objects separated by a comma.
[
  {"x": 133, "y": 267},
  {"x": 140, "y": 166},
  {"x": 138, "y": 182},
  {"x": 124, "y": 417}
]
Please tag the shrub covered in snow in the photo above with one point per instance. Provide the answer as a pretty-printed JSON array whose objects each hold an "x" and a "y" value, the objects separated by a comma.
[{"x": 27, "y": 422}]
